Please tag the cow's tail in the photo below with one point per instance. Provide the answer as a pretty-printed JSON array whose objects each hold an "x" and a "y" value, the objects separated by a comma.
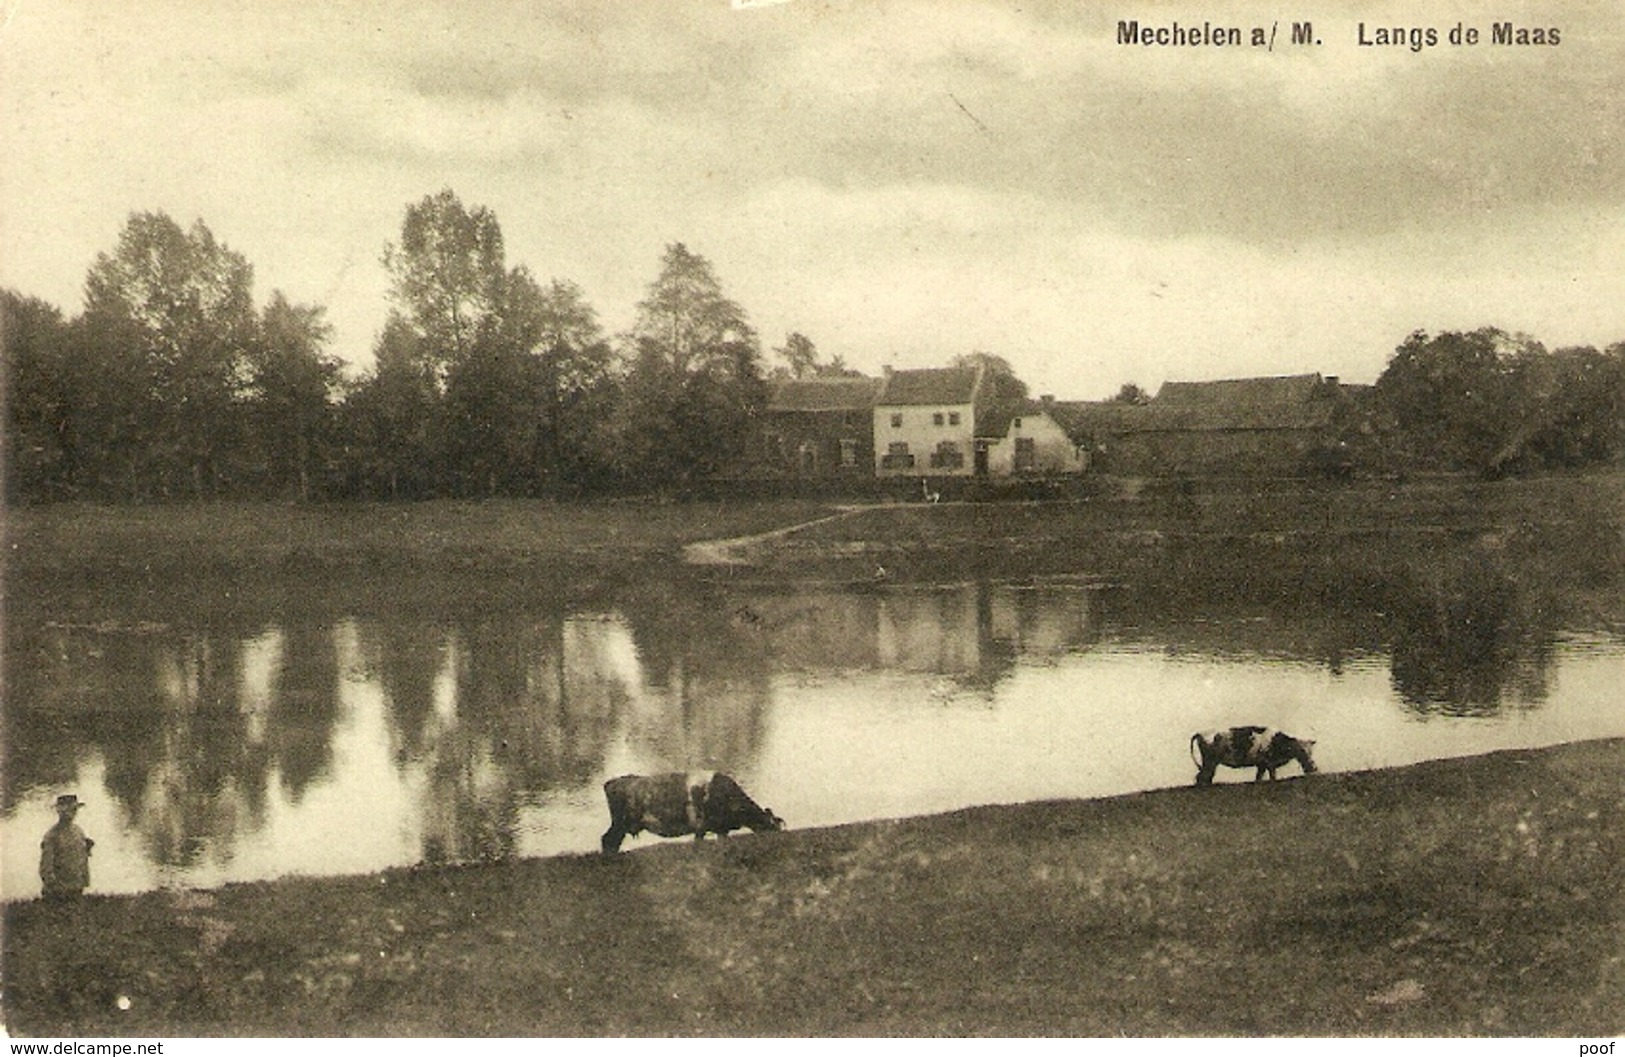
[{"x": 1196, "y": 759}]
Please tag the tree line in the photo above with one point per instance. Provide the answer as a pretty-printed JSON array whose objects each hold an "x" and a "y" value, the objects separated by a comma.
[
  {"x": 1490, "y": 402},
  {"x": 173, "y": 383}
]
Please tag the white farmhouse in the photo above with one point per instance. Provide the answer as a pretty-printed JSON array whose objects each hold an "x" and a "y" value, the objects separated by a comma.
[{"x": 925, "y": 423}]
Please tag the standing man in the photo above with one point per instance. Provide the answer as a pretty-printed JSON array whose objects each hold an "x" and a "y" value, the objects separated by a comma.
[{"x": 64, "y": 857}]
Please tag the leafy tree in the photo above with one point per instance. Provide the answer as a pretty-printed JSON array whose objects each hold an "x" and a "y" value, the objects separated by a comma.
[
  {"x": 447, "y": 278},
  {"x": 835, "y": 367},
  {"x": 487, "y": 381},
  {"x": 799, "y": 354},
  {"x": 390, "y": 419},
  {"x": 999, "y": 381},
  {"x": 40, "y": 445},
  {"x": 1131, "y": 394},
  {"x": 568, "y": 374},
  {"x": 439, "y": 411},
  {"x": 686, "y": 319},
  {"x": 180, "y": 304},
  {"x": 292, "y": 383},
  {"x": 107, "y": 410},
  {"x": 1459, "y": 399},
  {"x": 490, "y": 419},
  {"x": 1582, "y": 417},
  {"x": 695, "y": 378},
  {"x": 801, "y": 360}
]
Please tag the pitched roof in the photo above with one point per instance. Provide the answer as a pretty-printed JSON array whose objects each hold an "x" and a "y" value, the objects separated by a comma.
[
  {"x": 1082, "y": 418},
  {"x": 994, "y": 419},
  {"x": 930, "y": 385},
  {"x": 823, "y": 394},
  {"x": 1296, "y": 402},
  {"x": 1240, "y": 393}
]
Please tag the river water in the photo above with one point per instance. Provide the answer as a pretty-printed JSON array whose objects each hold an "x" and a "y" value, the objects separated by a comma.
[{"x": 348, "y": 742}]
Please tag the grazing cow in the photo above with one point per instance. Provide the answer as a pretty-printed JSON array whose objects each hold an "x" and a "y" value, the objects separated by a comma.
[
  {"x": 1258, "y": 747},
  {"x": 671, "y": 805}
]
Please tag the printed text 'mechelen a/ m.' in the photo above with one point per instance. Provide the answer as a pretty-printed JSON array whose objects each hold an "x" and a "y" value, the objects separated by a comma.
[{"x": 1176, "y": 35}]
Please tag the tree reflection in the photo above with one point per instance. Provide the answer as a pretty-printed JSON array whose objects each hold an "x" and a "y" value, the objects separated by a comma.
[
  {"x": 1470, "y": 642},
  {"x": 300, "y": 705},
  {"x": 407, "y": 658},
  {"x": 705, "y": 686},
  {"x": 189, "y": 724},
  {"x": 494, "y": 714}
]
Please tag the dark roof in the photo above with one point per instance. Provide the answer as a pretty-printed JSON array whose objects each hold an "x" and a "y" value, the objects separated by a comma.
[
  {"x": 824, "y": 394},
  {"x": 1240, "y": 393},
  {"x": 1082, "y": 418},
  {"x": 994, "y": 419},
  {"x": 1302, "y": 401},
  {"x": 931, "y": 385}
]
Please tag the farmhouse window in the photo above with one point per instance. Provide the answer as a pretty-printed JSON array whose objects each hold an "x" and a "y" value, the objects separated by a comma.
[
  {"x": 1026, "y": 453},
  {"x": 947, "y": 456},
  {"x": 897, "y": 420},
  {"x": 936, "y": 419},
  {"x": 849, "y": 453},
  {"x": 953, "y": 418},
  {"x": 897, "y": 457}
]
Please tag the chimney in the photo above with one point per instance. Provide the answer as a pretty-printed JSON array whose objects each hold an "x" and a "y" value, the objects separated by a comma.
[{"x": 1048, "y": 399}]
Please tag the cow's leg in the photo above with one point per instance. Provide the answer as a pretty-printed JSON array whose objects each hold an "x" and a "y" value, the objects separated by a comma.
[
  {"x": 1205, "y": 775},
  {"x": 610, "y": 843},
  {"x": 1259, "y": 777}
]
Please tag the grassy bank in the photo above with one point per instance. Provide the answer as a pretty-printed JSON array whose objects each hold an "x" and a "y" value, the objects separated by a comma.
[
  {"x": 1342, "y": 544},
  {"x": 1557, "y": 543},
  {"x": 69, "y": 539},
  {"x": 204, "y": 558},
  {"x": 1480, "y": 896}
]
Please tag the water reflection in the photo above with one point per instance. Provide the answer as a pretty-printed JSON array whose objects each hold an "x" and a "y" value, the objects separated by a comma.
[
  {"x": 972, "y": 633},
  {"x": 1471, "y": 642},
  {"x": 313, "y": 745}
]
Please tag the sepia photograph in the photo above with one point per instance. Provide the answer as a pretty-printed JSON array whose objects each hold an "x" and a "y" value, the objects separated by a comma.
[{"x": 927, "y": 519}]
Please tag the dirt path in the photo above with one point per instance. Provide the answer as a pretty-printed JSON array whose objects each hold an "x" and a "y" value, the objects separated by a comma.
[{"x": 736, "y": 551}]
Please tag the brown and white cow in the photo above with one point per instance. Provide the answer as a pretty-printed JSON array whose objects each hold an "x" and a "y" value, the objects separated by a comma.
[
  {"x": 676, "y": 804},
  {"x": 1258, "y": 747}
]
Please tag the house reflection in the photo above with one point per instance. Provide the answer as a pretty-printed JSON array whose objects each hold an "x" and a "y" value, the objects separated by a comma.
[{"x": 973, "y": 633}]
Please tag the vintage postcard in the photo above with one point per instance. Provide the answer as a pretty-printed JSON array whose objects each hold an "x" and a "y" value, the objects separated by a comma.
[{"x": 798, "y": 518}]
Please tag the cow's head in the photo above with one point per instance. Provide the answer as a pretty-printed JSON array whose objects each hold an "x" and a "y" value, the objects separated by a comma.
[
  {"x": 767, "y": 823},
  {"x": 1300, "y": 751}
]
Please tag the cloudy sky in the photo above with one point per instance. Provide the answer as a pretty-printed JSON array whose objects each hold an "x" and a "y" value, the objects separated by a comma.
[{"x": 901, "y": 181}]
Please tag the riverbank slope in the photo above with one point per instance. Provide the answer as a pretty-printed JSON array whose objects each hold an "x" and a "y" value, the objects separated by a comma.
[{"x": 1477, "y": 896}]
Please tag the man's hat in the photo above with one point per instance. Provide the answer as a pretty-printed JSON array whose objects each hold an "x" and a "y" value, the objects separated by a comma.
[{"x": 67, "y": 800}]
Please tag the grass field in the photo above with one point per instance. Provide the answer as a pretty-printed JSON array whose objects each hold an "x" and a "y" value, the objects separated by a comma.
[
  {"x": 69, "y": 539},
  {"x": 70, "y": 542},
  {"x": 208, "y": 560}
]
